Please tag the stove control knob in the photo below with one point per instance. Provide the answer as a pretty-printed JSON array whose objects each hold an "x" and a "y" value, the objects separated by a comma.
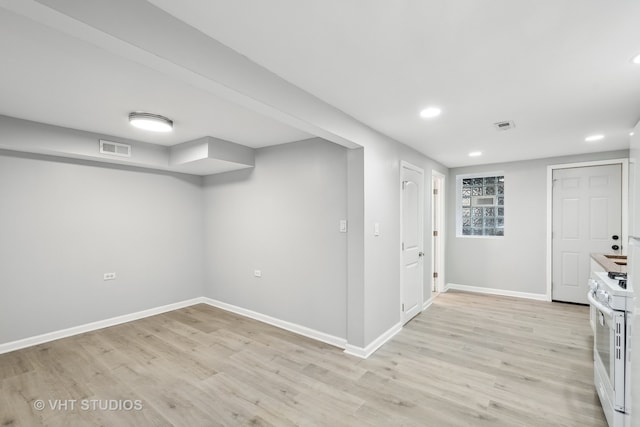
[
  {"x": 593, "y": 285},
  {"x": 602, "y": 295},
  {"x": 615, "y": 247}
]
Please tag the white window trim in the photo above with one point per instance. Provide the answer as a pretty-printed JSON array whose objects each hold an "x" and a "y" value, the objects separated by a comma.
[{"x": 459, "y": 179}]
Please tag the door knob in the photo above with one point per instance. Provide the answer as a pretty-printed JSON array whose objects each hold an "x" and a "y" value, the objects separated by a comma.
[
  {"x": 615, "y": 237},
  {"x": 420, "y": 253},
  {"x": 615, "y": 247}
]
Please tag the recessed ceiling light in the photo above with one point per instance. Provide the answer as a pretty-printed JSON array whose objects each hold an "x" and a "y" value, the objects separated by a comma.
[
  {"x": 631, "y": 133},
  {"x": 475, "y": 153},
  {"x": 430, "y": 112},
  {"x": 636, "y": 59},
  {"x": 594, "y": 138},
  {"x": 152, "y": 122}
]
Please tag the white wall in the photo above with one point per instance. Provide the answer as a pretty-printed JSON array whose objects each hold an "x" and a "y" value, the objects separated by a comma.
[
  {"x": 64, "y": 223},
  {"x": 282, "y": 218},
  {"x": 516, "y": 262}
]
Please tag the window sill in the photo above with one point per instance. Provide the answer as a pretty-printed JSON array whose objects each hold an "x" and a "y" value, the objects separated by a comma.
[{"x": 461, "y": 236}]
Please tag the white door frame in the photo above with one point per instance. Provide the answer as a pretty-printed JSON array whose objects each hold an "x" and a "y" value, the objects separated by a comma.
[
  {"x": 441, "y": 227},
  {"x": 404, "y": 164},
  {"x": 624, "y": 207}
]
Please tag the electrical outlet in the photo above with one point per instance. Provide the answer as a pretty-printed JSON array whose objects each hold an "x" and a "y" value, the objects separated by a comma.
[
  {"x": 257, "y": 273},
  {"x": 109, "y": 276}
]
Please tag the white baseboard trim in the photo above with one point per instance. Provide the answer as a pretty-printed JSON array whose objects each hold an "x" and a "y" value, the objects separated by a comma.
[
  {"x": 88, "y": 327},
  {"x": 283, "y": 324},
  {"x": 365, "y": 352},
  {"x": 492, "y": 291}
]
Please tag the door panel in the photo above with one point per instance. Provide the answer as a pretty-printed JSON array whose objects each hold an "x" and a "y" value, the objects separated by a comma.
[
  {"x": 570, "y": 219},
  {"x": 570, "y": 268},
  {"x": 587, "y": 206},
  {"x": 599, "y": 224},
  {"x": 411, "y": 229}
]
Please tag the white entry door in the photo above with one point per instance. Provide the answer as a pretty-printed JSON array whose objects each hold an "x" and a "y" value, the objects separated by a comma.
[
  {"x": 587, "y": 218},
  {"x": 412, "y": 255}
]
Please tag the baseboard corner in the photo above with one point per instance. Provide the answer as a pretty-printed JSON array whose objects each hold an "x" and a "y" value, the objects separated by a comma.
[{"x": 365, "y": 352}]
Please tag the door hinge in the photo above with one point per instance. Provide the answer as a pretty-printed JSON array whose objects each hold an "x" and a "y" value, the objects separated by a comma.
[
  {"x": 435, "y": 275},
  {"x": 435, "y": 233},
  {"x": 435, "y": 191},
  {"x": 403, "y": 308},
  {"x": 403, "y": 246},
  {"x": 404, "y": 183}
]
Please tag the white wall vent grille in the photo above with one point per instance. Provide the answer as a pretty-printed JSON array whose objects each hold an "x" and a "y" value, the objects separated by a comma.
[
  {"x": 115, "y": 148},
  {"x": 504, "y": 125}
]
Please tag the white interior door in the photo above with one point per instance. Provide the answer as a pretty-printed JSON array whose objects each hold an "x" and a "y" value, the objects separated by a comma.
[
  {"x": 412, "y": 255},
  {"x": 587, "y": 215}
]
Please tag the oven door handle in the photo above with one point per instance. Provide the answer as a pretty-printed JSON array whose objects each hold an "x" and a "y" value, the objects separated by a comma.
[{"x": 597, "y": 304}]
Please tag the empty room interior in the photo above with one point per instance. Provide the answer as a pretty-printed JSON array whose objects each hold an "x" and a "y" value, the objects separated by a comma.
[{"x": 316, "y": 213}]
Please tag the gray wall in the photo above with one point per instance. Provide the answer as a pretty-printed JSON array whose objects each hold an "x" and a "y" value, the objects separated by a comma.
[
  {"x": 382, "y": 205},
  {"x": 516, "y": 262},
  {"x": 281, "y": 218},
  {"x": 64, "y": 223}
]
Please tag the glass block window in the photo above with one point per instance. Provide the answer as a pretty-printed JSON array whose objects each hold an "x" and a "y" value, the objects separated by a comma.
[{"x": 480, "y": 205}]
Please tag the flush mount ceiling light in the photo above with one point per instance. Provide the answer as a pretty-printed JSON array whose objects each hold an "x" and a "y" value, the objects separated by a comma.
[
  {"x": 475, "y": 153},
  {"x": 430, "y": 112},
  {"x": 594, "y": 138},
  {"x": 152, "y": 122},
  {"x": 636, "y": 59},
  {"x": 631, "y": 133}
]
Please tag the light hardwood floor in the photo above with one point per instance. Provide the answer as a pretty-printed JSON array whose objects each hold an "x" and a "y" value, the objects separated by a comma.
[{"x": 469, "y": 360}]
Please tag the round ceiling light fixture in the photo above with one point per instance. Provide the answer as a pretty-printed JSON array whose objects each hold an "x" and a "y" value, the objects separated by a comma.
[
  {"x": 475, "y": 153},
  {"x": 152, "y": 122},
  {"x": 594, "y": 138},
  {"x": 430, "y": 112},
  {"x": 636, "y": 59}
]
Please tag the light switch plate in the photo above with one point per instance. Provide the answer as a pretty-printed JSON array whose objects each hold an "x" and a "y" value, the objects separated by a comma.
[
  {"x": 257, "y": 273},
  {"x": 343, "y": 225},
  {"x": 376, "y": 229}
]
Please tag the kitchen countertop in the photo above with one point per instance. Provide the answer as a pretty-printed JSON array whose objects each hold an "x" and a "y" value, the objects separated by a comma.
[{"x": 611, "y": 264}]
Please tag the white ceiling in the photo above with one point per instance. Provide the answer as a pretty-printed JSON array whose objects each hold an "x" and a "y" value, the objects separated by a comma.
[
  {"x": 560, "y": 70},
  {"x": 50, "y": 77}
]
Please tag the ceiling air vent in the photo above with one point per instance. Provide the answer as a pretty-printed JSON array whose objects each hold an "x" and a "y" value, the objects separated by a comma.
[
  {"x": 505, "y": 125},
  {"x": 115, "y": 148}
]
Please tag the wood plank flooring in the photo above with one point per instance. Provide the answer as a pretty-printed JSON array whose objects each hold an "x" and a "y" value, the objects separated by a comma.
[{"x": 469, "y": 360}]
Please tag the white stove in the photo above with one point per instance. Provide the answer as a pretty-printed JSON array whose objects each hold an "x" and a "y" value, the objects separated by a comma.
[
  {"x": 612, "y": 292},
  {"x": 612, "y": 345}
]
